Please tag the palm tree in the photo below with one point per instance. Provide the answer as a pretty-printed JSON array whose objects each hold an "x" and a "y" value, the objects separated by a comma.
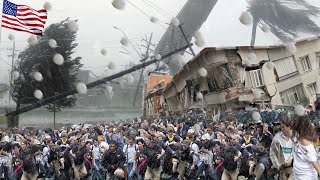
[{"x": 285, "y": 17}]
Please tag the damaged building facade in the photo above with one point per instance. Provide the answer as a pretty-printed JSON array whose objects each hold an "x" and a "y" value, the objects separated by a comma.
[{"x": 281, "y": 76}]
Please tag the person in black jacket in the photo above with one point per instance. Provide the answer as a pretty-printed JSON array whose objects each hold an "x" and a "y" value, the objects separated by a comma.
[
  {"x": 113, "y": 159},
  {"x": 182, "y": 130},
  {"x": 79, "y": 169}
]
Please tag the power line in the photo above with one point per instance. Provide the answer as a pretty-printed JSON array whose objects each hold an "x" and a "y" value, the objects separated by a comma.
[{"x": 157, "y": 8}]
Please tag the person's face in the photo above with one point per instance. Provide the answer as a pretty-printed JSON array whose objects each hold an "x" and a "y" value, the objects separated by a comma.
[
  {"x": 113, "y": 147},
  {"x": 95, "y": 143},
  {"x": 170, "y": 133},
  {"x": 233, "y": 140},
  {"x": 247, "y": 135},
  {"x": 148, "y": 141},
  {"x": 131, "y": 142},
  {"x": 217, "y": 146},
  {"x": 16, "y": 149},
  {"x": 209, "y": 131},
  {"x": 285, "y": 129},
  {"x": 110, "y": 133},
  {"x": 181, "y": 124},
  {"x": 140, "y": 144}
]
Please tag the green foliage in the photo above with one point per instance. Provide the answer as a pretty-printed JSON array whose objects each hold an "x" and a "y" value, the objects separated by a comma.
[
  {"x": 286, "y": 18},
  {"x": 39, "y": 57}
]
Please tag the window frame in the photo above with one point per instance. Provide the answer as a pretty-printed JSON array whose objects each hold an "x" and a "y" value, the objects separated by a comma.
[
  {"x": 306, "y": 64},
  {"x": 256, "y": 78}
]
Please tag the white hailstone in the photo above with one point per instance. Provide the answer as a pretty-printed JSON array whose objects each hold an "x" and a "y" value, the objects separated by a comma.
[
  {"x": 256, "y": 93},
  {"x": 58, "y": 59},
  {"x": 11, "y": 37},
  {"x": 47, "y": 5},
  {"x": 38, "y": 94},
  {"x": 246, "y": 18},
  {"x": 32, "y": 40},
  {"x": 53, "y": 43},
  {"x": 270, "y": 65},
  {"x": 265, "y": 27},
  {"x": 199, "y": 95},
  {"x": 119, "y": 4},
  {"x": 158, "y": 57},
  {"x": 129, "y": 79},
  {"x": 197, "y": 34},
  {"x": 291, "y": 48},
  {"x": 103, "y": 51},
  {"x": 124, "y": 41},
  {"x": 252, "y": 56},
  {"x": 203, "y": 72},
  {"x": 199, "y": 42},
  {"x": 299, "y": 110},
  {"x": 37, "y": 76},
  {"x": 15, "y": 75},
  {"x": 179, "y": 59},
  {"x": 81, "y": 88},
  {"x": 111, "y": 66},
  {"x": 175, "y": 22},
  {"x": 73, "y": 26},
  {"x": 153, "y": 19},
  {"x": 256, "y": 116}
]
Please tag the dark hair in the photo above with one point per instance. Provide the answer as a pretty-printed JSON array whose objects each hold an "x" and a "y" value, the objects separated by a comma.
[
  {"x": 287, "y": 122},
  {"x": 114, "y": 143},
  {"x": 303, "y": 128},
  {"x": 140, "y": 140}
]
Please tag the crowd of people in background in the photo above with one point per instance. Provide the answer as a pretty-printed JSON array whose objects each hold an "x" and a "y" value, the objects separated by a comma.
[{"x": 183, "y": 147}]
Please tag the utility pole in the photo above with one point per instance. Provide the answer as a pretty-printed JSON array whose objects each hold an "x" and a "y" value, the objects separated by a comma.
[
  {"x": 146, "y": 55},
  {"x": 13, "y": 55}
]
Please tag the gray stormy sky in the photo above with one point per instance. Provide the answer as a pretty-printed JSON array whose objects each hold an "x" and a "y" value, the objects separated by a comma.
[{"x": 97, "y": 18}]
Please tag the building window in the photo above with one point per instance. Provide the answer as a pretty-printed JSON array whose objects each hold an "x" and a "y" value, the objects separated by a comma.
[
  {"x": 292, "y": 96},
  {"x": 256, "y": 78},
  {"x": 318, "y": 57},
  {"x": 312, "y": 89},
  {"x": 306, "y": 63},
  {"x": 285, "y": 68}
]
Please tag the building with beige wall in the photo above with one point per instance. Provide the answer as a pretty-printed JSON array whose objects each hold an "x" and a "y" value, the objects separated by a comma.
[{"x": 235, "y": 73}]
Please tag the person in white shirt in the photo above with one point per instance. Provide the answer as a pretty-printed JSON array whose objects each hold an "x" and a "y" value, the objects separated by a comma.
[
  {"x": 305, "y": 165},
  {"x": 130, "y": 151},
  {"x": 281, "y": 150}
]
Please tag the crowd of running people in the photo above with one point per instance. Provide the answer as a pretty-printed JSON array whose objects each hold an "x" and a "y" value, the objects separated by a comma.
[{"x": 175, "y": 148}]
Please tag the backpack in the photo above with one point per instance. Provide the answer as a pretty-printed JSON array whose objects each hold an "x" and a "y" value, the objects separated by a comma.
[{"x": 29, "y": 163}]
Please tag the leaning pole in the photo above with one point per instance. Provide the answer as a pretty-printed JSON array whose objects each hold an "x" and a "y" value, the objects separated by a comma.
[{"x": 51, "y": 99}]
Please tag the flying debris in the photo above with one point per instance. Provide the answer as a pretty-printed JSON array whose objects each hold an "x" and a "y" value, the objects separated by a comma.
[
  {"x": 47, "y": 6},
  {"x": 299, "y": 110},
  {"x": 103, "y": 52},
  {"x": 199, "y": 95},
  {"x": 32, "y": 40},
  {"x": 175, "y": 21},
  {"x": 203, "y": 72},
  {"x": 270, "y": 65},
  {"x": 52, "y": 43},
  {"x": 124, "y": 41},
  {"x": 15, "y": 75},
  {"x": 11, "y": 37},
  {"x": 81, "y": 88},
  {"x": 256, "y": 116},
  {"x": 58, "y": 59},
  {"x": 38, "y": 94},
  {"x": 158, "y": 57},
  {"x": 37, "y": 76},
  {"x": 291, "y": 48},
  {"x": 265, "y": 27},
  {"x": 153, "y": 19},
  {"x": 119, "y": 4},
  {"x": 246, "y": 18},
  {"x": 73, "y": 26}
]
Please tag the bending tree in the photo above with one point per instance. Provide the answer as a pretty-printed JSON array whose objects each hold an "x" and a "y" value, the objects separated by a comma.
[
  {"x": 285, "y": 18},
  {"x": 56, "y": 79}
]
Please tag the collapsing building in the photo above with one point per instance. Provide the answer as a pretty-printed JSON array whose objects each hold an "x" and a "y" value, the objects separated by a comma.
[{"x": 245, "y": 78}]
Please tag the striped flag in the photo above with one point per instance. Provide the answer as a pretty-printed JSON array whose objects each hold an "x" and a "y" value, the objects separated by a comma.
[{"x": 23, "y": 18}]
